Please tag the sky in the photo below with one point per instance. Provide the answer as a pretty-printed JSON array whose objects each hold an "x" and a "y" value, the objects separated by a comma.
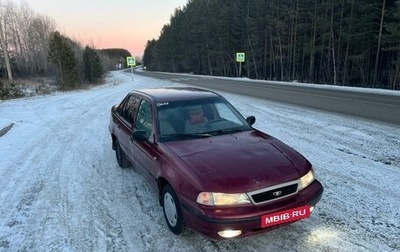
[
  {"x": 62, "y": 190},
  {"x": 126, "y": 24}
]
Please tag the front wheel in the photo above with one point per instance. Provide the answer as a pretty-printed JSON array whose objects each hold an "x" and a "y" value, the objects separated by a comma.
[
  {"x": 172, "y": 210},
  {"x": 122, "y": 160}
]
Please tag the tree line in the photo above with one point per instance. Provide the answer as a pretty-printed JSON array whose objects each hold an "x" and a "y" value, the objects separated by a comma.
[
  {"x": 339, "y": 42},
  {"x": 32, "y": 47}
]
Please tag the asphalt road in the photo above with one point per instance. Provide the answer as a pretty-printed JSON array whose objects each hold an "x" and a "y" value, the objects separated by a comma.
[{"x": 373, "y": 106}]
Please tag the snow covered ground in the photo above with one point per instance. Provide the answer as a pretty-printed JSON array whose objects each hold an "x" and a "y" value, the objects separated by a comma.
[{"x": 62, "y": 190}]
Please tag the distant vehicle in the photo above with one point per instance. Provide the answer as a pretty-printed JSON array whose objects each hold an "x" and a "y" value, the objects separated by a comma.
[{"x": 214, "y": 173}]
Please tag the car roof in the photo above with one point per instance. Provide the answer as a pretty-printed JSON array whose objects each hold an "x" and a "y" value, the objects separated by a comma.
[{"x": 166, "y": 94}]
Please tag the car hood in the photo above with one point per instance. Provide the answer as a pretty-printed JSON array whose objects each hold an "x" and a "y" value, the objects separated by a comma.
[{"x": 240, "y": 162}]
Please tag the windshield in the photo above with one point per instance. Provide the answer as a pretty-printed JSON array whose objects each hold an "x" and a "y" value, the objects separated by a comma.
[{"x": 198, "y": 118}]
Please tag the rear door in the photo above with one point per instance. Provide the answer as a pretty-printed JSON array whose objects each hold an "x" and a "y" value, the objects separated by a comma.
[{"x": 126, "y": 113}]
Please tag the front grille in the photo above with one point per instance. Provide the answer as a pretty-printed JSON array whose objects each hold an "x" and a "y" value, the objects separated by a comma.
[{"x": 274, "y": 193}]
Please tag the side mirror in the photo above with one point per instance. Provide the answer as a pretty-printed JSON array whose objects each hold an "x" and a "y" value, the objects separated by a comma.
[
  {"x": 139, "y": 135},
  {"x": 251, "y": 120}
]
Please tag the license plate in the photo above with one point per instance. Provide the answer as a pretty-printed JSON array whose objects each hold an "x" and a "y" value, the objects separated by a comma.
[{"x": 285, "y": 216}]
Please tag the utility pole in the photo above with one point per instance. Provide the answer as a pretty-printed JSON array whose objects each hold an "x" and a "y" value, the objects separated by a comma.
[{"x": 5, "y": 52}]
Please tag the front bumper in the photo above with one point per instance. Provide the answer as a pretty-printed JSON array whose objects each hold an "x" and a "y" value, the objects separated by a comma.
[{"x": 210, "y": 220}]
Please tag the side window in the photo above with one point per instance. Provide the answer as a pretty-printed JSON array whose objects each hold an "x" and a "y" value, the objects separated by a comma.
[
  {"x": 130, "y": 108},
  {"x": 144, "y": 120}
]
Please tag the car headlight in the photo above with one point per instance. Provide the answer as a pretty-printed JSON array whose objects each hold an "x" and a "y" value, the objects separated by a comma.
[
  {"x": 306, "y": 180},
  {"x": 221, "y": 199}
]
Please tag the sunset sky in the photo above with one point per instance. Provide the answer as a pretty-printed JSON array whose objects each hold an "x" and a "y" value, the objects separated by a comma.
[{"x": 126, "y": 24}]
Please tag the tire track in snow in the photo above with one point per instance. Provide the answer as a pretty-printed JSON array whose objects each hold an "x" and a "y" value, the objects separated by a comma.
[{"x": 35, "y": 169}]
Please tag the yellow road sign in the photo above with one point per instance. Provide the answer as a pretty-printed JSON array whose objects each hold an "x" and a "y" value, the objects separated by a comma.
[
  {"x": 240, "y": 57},
  {"x": 131, "y": 61}
]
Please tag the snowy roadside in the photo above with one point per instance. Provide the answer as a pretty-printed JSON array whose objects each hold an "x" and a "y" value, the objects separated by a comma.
[{"x": 61, "y": 189}]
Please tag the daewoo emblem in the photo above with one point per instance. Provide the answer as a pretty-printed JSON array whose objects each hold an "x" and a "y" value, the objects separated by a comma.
[{"x": 277, "y": 193}]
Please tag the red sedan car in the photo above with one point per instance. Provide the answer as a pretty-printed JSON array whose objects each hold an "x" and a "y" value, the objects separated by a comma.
[{"x": 213, "y": 171}]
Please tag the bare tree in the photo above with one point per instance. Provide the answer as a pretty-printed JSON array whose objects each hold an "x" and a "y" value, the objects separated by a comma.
[
  {"x": 4, "y": 46},
  {"x": 27, "y": 35},
  {"x": 378, "y": 49}
]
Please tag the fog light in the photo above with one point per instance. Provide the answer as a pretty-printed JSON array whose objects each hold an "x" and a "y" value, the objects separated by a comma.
[{"x": 230, "y": 233}]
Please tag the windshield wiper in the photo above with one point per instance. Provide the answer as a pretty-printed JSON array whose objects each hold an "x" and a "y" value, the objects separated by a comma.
[
  {"x": 226, "y": 131},
  {"x": 187, "y": 135}
]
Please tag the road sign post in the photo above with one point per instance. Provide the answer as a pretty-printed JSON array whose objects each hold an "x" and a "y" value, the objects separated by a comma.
[
  {"x": 131, "y": 61},
  {"x": 240, "y": 57}
]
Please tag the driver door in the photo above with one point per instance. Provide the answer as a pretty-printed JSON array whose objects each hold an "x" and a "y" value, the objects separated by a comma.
[{"x": 145, "y": 150}]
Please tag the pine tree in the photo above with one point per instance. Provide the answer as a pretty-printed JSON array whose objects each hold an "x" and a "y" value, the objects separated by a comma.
[
  {"x": 93, "y": 67},
  {"x": 61, "y": 55},
  {"x": 343, "y": 42}
]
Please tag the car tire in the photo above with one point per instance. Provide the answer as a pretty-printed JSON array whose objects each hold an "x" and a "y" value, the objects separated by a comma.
[
  {"x": 122, "y": 160},
  {"x": 172, "y": 210}
]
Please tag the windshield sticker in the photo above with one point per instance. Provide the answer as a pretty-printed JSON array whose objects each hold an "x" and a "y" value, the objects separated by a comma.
[{"x": 160, "y": 104}]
